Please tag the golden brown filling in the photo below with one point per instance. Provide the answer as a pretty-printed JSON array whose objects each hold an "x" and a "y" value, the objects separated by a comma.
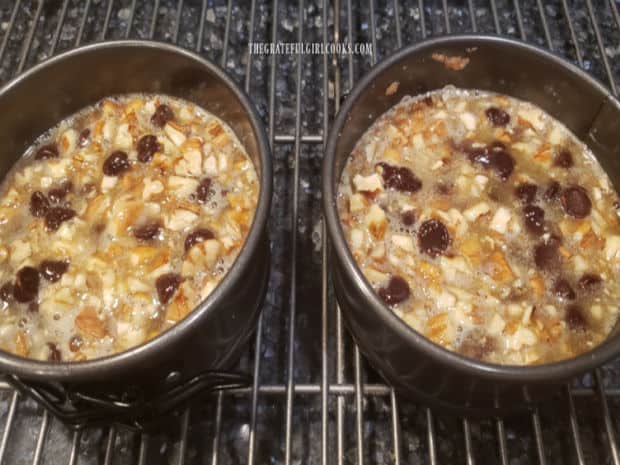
[
  {"x": 486, "y": 225},
  {"x": 117, "y": 224}
]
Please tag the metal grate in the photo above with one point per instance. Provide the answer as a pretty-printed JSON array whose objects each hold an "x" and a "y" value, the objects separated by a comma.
[{"x": 314, "y": 399}]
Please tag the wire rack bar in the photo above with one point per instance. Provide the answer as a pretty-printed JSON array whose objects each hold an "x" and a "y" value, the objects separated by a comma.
[
  {"x": 421, "y": 14},
  {"x": 601, "y": 47},
  {"x": 106, "y": 21},
  {"x": 154, "y": 19},
  {"x": 293, "y": 296},
  {"x": 177, "y": 22},
  {"x": 75, "y": 446},
  {"x": 201, "y": 27},
  {"x": 143, "y": 449},
  {"x": 446, "y": 16},
  {"x": 469, "y": 453},
  {"x": 109, "y": 448},
  {"x": 520, "y": 24},
  {"x": 501, "y": 441},
  {"x": 41, "y": 438},
  {"x": 430, "y": 433},
  {"x": 226, "y": 34},
  {"x": 183, "y": 442},
  {"x": 324, "y": 256},
  {"x": 545, "y": 26},
  {"x": 399, "y": 34},
  {"x": 132, "y": 12},
  {"x": 10, "y": 416},
  {"x": 540, "y": 447},
  {"x": 574, "y": 426},
  {"x": 472, "y": 16},
  {"x": 573, "y": 36},
  {"x": 28, "y": 43},
  {"x": 9, "y": 29},
  {"x": 609, "y": 426},
  {"x": 57, "y": 31},
  {"x": 80, "y": 34},
  {"x": 498, "y": 29}
]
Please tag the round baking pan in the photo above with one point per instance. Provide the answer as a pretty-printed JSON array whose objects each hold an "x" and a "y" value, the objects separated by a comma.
[
  {"x": 414, "y": 365},
  {"x": 212, "y": 336}
]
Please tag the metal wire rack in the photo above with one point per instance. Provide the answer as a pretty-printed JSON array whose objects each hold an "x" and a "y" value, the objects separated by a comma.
[{"x": 314, "y": 399}]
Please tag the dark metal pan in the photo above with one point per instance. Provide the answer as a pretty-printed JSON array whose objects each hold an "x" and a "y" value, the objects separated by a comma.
[
  {"x": 413, "y": 364},
  {"x": 213, "y": 335}
]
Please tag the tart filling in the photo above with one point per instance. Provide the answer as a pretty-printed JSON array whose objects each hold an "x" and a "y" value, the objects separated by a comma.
[
  {"x": 486, "y": 225},
  {"x": 116, "y": 224}
]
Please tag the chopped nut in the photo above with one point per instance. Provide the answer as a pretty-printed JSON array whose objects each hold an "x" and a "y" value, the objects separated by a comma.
[{"x": 371, "y": 183}]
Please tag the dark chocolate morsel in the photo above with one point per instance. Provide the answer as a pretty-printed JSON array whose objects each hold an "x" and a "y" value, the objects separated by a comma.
[
  {"x": 589, "y": 281},
  {"x": 116, "y": 163},
  {"x": 147, "y": 146},
  {"x": 574, "y": 318},
  {"x": 39, "y": 204},
  {"x": 166, "y": 286},
  {"x": 564, "y": 159},
  {"x": 563, "y": 289},
  {"x": 199, "y": 235},
  {"x": 55, "y": 216},
  {"x": 46, "y": 152},
  {"x": 526, "y": 192},
  {"x": 534, "y": 219},
  {"x": 396, "y": 291},
  {"x": 576, "y": 202},
  {"x": 399, "y": 178},
  {"x": 162, "y": 115},
  {"x": 147, "y": 232},
  {"x": 497, "y": 117},
  {"x": 26, "y": 284},
  {"x": 52, "y": 270},
  {"x": 433, "y": 237}
]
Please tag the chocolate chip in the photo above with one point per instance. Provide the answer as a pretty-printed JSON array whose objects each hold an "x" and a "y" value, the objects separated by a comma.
[
  {"x": 6, "y": 292},
  {"x": 563, "y": 289},
  {"x": 552, "y": 191},
  {"x": 162, "y": 115},
  {"x": 497, "y": 117},
  {"x": 55, "y": 216},
  {"x": 574, "y": 318},
  {"x": 576, "y": 202},
  {"x": 534, "y": 219},
  {"x": 54, "y": 354},
  {"x": 526, "y": 192},
  {"x": 589, "y": 281},
  {"x": 197, "y": 236},
  {"x": 166, "y": 285},
  {"x": 428, "y": 101},
  {"x": 502, "y": 163},
  {"x": 399, "y": 178},
  {"x": 75, "y": 343},
  {"x": 52, "y": 270},
  {"x": 476, "y": 153},
  {"x": 59, "y": 193},
  {"x": 564, "y": 159},
  {"x": 147, "y": 146},
  {"x": 33, "y": 307},
  {"x": 203, "y": 192},
  {"x": 433, "y": 237},
  {"x": 546, "y": 256},
  {"x": 116, "y": 164},
  {"x": 408, "y": 218},
  {"x": 46, "y": 152},
  {"x": 147, "y": 232},
  {"x": 396, "y": 291},
  {"x": 39, "y": 204},
  {"x": 26, "y": 284},
  {"x": 84, "y": 137}
]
